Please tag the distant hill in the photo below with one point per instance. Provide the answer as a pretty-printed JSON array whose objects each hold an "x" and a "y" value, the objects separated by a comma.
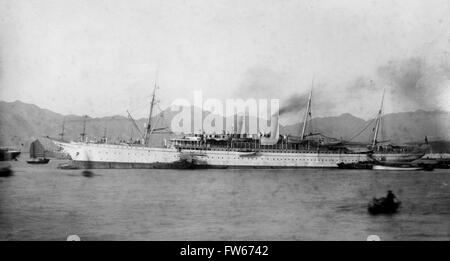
[
  {"x": 396, "y": 127},
  {"x": 20, "y": 123}
]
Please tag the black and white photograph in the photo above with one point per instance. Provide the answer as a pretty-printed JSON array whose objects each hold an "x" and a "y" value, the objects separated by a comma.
[{"x": 224, "y": 120}]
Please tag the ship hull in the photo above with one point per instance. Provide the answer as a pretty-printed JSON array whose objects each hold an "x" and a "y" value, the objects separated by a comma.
[
  {"x": 396, "y": 157},
  {"x": 6, "y": 154},
  {"x": 283, "y": 159},
  {"x": 128, "y": 165},
  {"x": 107, "y": 156},
  {"x": 270, "y": 160}
]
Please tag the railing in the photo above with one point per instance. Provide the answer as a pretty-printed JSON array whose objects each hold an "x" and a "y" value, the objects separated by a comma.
[{"x": 252, "y": 147}]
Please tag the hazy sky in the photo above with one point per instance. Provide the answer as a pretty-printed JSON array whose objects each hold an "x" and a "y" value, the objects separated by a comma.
[{"x": 99, "y": 57}]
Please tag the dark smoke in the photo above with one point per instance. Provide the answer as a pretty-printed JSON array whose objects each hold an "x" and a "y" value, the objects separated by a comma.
[
  {"x": 294, "y": 104},
  {"x": 321, "y": 103}
]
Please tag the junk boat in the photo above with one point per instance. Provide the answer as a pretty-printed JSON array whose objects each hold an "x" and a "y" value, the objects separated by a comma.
[{"x": 37, "y": 153}]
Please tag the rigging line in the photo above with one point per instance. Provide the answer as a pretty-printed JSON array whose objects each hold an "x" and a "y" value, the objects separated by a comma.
[
  {"x": 134, "y": 123},
  {"x": 322, "y": 133},
  {"x": 329, "y": 137},
  {"x": 365, "y": 127},
  {"x": 359, "y": 133}
]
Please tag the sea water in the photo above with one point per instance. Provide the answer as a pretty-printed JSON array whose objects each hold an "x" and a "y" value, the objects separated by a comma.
[{"x": 41, "y": 202}]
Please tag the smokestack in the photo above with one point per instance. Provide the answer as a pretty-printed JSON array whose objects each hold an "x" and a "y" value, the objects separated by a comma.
[
  {"x": 275, "y": 127},
  {"x": 240, "y": 124},
  {"x": 274, "y": 132}
]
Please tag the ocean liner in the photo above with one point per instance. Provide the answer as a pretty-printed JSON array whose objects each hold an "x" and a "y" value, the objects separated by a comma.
[
  {"x": 235, "y": 150},
  {"x": 284, "y": 151}
]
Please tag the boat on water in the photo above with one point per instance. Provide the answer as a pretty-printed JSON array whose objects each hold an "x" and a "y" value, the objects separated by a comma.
[
  {"x": 400, "y": 167},
  {"x": 384, "y": 151},
  {"x": 7, "y": 153},
  {"x": 38, "y": 161},
  {"x": 382, "y": 206},
  {"x": 385, "y": 205},
  {"x": 356, "y": 165},
  {"x": 37, "y": 153},
  {"x": 227, "y": 150},
  {"x": 389, "y": 165},
  {"x": 66, "y": 166}
]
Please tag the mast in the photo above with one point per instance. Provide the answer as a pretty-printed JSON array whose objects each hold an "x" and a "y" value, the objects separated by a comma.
[
  {"x": 148, "y": 127},
  {"x": 377, "y": 127},
  {"x": 105, "y": 132},
  {"x": 308, "y": 111},
  {"x": 62, "y": 131},
  {"x": 83, "y": 134}
]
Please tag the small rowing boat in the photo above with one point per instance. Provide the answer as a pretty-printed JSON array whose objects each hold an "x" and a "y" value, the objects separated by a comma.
[{"x": 405, "y": 167}]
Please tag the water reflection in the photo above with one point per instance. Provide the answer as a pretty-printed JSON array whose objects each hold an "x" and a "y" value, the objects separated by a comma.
[
  {"x": 5, "y": 169},
  {"x": 87, "y": 173}
]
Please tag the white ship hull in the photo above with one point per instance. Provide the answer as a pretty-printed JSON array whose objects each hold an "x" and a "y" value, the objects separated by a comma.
[
  {"x": 106, "y": 156},
  {"x": 234, "y": 159},
  {"x": 92, "y": 155}
]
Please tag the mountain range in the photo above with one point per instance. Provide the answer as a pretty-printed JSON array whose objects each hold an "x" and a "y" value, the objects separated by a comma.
[{"x": 21, "y": 123}]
